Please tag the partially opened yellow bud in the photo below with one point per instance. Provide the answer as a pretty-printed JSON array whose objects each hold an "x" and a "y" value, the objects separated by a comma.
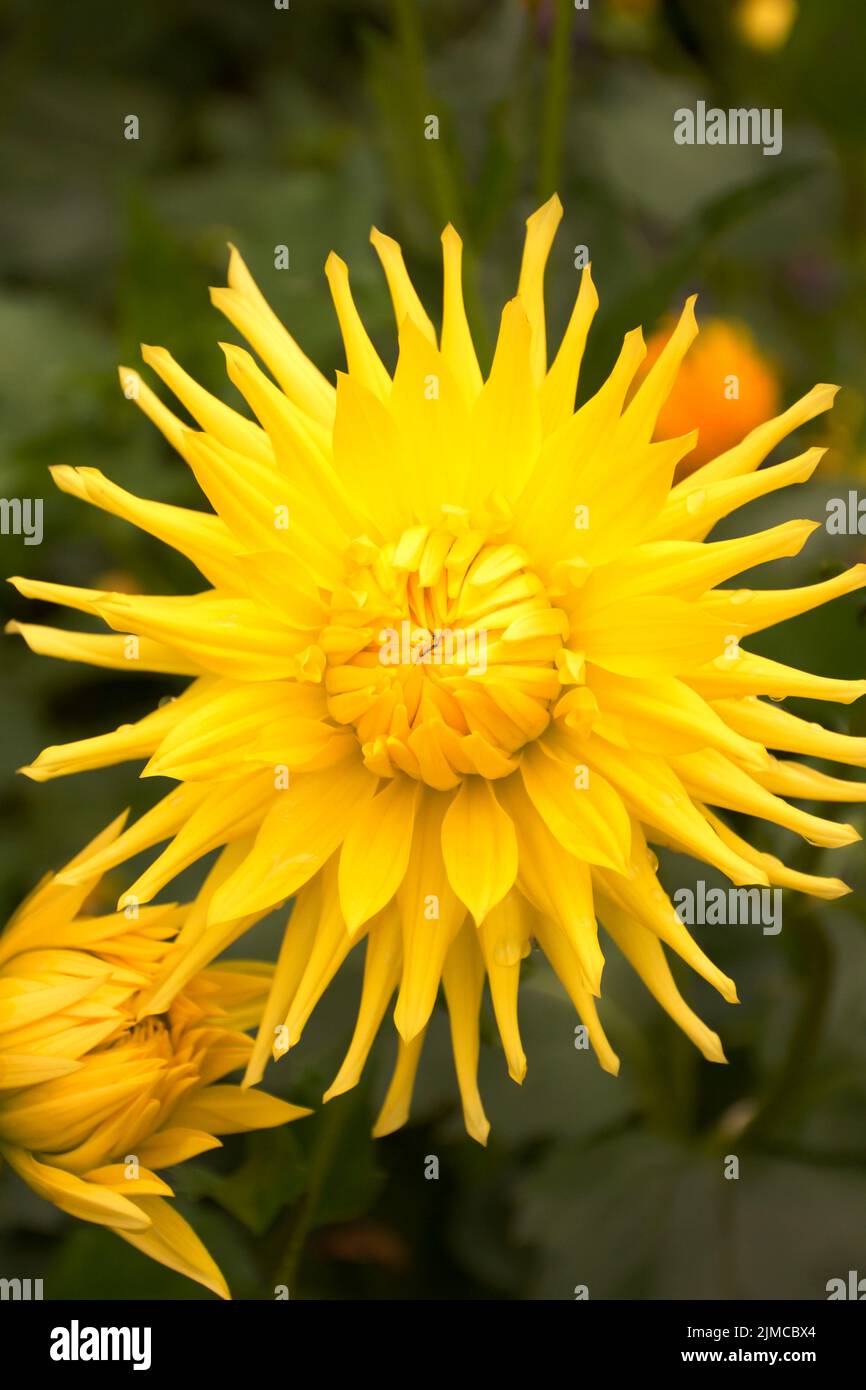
[{"x": 93, "y": 1099}]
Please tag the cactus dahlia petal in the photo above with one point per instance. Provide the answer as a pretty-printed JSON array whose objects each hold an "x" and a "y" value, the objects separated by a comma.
[
  {"x": 94, "y": 1095},
  {"x": 463, "y": 654}
]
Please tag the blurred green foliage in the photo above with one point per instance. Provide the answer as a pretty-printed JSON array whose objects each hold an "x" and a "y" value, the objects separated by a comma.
[{"x": 304, "y": 127}]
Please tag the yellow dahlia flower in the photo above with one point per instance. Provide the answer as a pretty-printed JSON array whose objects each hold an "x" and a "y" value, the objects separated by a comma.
[
  {"x": 461, "y": 658},
  {"x": 92, "y": 1102}
]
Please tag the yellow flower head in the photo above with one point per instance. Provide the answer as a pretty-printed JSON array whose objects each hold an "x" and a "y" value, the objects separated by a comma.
[
  {"x": 92, "y": 1100},
  {"x": 461, "y": 656}
]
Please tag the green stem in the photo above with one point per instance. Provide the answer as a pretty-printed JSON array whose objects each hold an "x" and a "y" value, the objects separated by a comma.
[
  {"x": 444, "y": 194},
  {"x": 556, "y": 94},
  {"x": 320, "y": 1165},
  {"x": 445, "y": 198},
  {"x": 787, "y": 1083}
]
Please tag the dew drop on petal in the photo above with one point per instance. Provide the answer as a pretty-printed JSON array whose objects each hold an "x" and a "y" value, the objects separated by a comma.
[
  {"x": 507, "y": 951},
  {"x": 695, "y": 501}
]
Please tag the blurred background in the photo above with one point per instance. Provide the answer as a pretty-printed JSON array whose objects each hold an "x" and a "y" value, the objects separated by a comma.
[{"x": 302, "y": 127}]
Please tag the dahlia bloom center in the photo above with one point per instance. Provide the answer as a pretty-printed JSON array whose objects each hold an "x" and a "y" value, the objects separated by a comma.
[{"x": 442, "y": 653}]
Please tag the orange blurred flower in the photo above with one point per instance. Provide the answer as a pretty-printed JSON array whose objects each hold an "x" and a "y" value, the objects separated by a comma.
[{"x": 725, "y": 387}]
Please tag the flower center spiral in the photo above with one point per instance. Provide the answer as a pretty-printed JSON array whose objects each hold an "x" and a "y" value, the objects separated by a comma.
[{"x": 442, "y": 654}]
